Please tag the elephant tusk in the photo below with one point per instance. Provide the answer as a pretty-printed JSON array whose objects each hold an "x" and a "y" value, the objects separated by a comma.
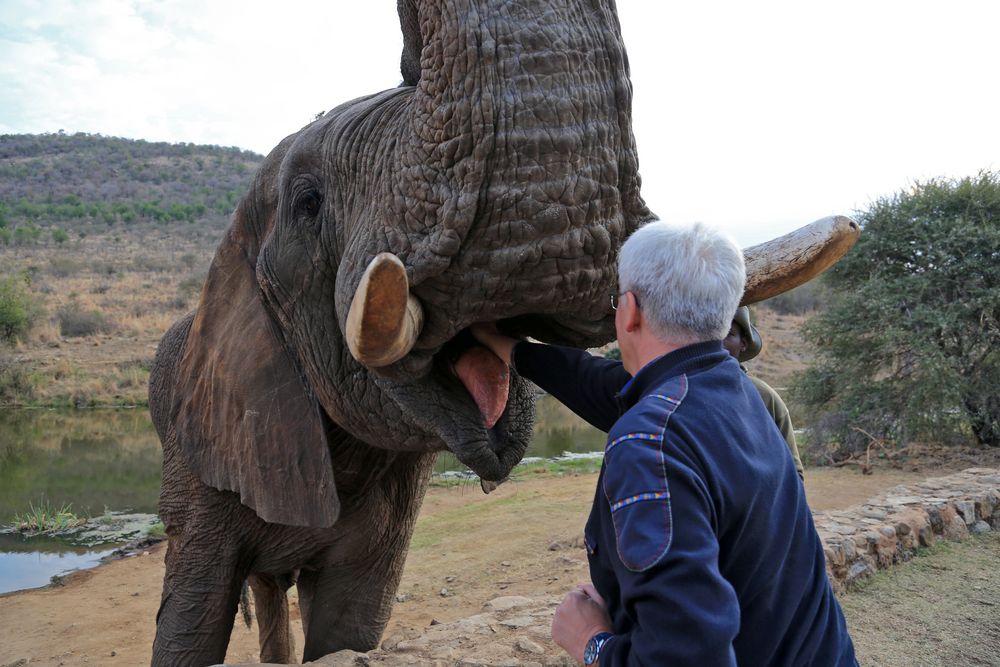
[
  {"x": 384, "y": 320},
  {"x": 788, "y": 261}
]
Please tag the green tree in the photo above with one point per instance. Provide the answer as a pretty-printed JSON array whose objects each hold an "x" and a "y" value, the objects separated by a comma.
[
  {"x": 59, "y": 235},
  {"x": 909, "y": 343},
  {"x": 27, "y": 234},
  {"x": 17, "y": 309}
]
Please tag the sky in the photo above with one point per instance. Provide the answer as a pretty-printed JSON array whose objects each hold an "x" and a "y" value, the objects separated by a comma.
[{"x": 755, "y": 117}]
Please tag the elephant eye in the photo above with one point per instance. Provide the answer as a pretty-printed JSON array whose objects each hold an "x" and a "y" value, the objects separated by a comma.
[{"x": 308, "y": 204}]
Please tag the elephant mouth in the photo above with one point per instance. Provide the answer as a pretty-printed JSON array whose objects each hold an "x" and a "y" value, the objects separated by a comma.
[{"x": 481, "y": 409}]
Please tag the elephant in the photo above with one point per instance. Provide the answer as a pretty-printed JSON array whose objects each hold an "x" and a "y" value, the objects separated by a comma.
[{"x": 301, "y": 405}]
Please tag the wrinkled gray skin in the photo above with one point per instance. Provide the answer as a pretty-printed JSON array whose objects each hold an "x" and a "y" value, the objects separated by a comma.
[{"x": 503, "y": 174}]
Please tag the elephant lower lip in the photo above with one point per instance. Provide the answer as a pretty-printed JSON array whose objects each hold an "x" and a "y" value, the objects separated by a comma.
[{"x": 440, "y": 404}]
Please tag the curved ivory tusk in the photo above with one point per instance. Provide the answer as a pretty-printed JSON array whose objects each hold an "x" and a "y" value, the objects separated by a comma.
[
  {"x": 385, "y": 319},
  {"x": 797, "y": 257}
]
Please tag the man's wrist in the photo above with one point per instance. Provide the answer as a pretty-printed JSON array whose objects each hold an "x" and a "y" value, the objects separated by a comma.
[{"x": 592, "y": 652}]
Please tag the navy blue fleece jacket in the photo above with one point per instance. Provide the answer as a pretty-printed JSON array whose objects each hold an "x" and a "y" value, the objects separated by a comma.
[{"x": 699, "y": 538}]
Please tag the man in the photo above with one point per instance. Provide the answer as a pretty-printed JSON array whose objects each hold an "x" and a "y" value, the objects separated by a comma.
[
  {"x": 701, "y": 546},
  {"x": 744, "y": 343}
]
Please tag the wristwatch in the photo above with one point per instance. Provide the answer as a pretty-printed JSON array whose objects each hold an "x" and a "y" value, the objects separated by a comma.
[{"x": 593, "y": 651}]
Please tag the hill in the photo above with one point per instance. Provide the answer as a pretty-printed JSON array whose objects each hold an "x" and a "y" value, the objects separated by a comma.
[
  {"x": 113, "y": 238},
  {"x": 85, "y": 184}
]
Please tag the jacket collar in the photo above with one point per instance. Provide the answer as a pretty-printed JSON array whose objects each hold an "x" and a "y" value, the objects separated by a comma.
[{"x": 688, "y": 359}]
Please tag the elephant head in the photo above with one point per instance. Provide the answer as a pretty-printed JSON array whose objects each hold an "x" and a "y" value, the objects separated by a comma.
[{"x": 497, "y": 183}]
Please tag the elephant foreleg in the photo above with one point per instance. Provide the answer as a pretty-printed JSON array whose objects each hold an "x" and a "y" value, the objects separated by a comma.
[
  {"x": 201, "y": 591},
  {"x": 348, "y": 606},
  {"x": 271, "y": 603}
]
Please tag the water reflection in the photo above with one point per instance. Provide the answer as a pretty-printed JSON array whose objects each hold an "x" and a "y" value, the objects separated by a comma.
[
  {"x": 92, "y": 459},
  {"x": 101, "y": 460}
]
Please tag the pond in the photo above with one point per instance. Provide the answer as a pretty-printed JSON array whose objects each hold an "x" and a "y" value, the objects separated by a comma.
[{"x": 107, "y": 461}]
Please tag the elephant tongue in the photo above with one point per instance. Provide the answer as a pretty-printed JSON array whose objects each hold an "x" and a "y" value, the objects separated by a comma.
[{"x": 487, "y": 379}]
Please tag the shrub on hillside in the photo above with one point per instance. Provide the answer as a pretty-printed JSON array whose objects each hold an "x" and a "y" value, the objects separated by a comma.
[
  {"x": 18, "y": 310},
  {"x": 15, "y": 382},
  {"x": 63, "y": 267},
  {"x": 76, "y": 321}
]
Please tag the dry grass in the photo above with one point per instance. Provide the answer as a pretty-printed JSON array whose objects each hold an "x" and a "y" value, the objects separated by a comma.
[{"x": 123, "y": 292}]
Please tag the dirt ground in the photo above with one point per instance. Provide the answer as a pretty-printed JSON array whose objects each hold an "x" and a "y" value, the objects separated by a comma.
[{"x": 523, "y": 539}]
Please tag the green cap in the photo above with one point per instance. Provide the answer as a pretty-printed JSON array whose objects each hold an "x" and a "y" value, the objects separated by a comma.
[{"x": 750, "y": 332}]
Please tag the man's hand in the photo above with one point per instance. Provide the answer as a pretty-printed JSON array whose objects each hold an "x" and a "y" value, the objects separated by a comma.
[
  {"x": 489, "y": 337},
  {"x": 580, "y": 616}
]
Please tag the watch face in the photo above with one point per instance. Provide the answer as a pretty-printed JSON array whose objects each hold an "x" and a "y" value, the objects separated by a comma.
[{"x": 593, "y": 650}]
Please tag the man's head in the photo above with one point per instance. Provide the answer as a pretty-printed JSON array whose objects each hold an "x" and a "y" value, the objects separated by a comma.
[
  {"x": 680, "y": 285},
  {"x": 743, "y": 340}
]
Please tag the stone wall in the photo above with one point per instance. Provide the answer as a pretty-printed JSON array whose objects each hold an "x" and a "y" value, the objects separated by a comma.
[{"x": 890, "y": 527}]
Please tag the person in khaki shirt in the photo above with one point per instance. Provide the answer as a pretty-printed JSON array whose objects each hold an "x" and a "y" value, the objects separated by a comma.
[{"x": 744, "y": 343}]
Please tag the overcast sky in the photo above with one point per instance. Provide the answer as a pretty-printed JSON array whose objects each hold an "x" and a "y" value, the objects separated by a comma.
[{"x": 757, "y": 117}]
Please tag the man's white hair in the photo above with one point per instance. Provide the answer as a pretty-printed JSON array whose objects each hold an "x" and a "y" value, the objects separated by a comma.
[{"x": 688, "y": 280}]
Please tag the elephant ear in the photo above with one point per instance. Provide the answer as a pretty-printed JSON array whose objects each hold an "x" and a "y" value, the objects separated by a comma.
[{"x": 245, "y": 418}]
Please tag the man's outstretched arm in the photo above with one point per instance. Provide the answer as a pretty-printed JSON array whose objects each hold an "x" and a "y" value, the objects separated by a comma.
[{"x": 584, "y": 383}]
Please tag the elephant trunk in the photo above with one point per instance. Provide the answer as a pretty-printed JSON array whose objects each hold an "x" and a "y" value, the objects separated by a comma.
[{"x": 517, "y": 179}]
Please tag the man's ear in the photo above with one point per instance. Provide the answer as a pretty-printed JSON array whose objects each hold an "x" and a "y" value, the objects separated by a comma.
[
  {"x": 632, "y": 317},
  {"x": 245, "y": 418}
]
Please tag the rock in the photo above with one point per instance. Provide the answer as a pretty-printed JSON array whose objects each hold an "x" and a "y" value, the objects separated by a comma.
[
  {"x": 507, "y": 602},
  {"x": 518, "y": 622},
  {"x": 985, "y": 506},
  {"x": 979, "y": 527},
  {"x": 937, "y": 523},
  {"x": 528, "y": 646},
  {"x": 955, "y": 528},
  {"x": 967, "y": 510},
  {"x": 345, "y": 658},
  {"x": 391, "y": 642},
  {"x": 858, "y": 571},
  {"x": 446, "y": 653}
]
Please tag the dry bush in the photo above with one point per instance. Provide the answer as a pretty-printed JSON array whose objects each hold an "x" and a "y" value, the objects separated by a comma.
[
  {"x": 62, "y": 267},
  {"x": 77, "y": 321}
]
